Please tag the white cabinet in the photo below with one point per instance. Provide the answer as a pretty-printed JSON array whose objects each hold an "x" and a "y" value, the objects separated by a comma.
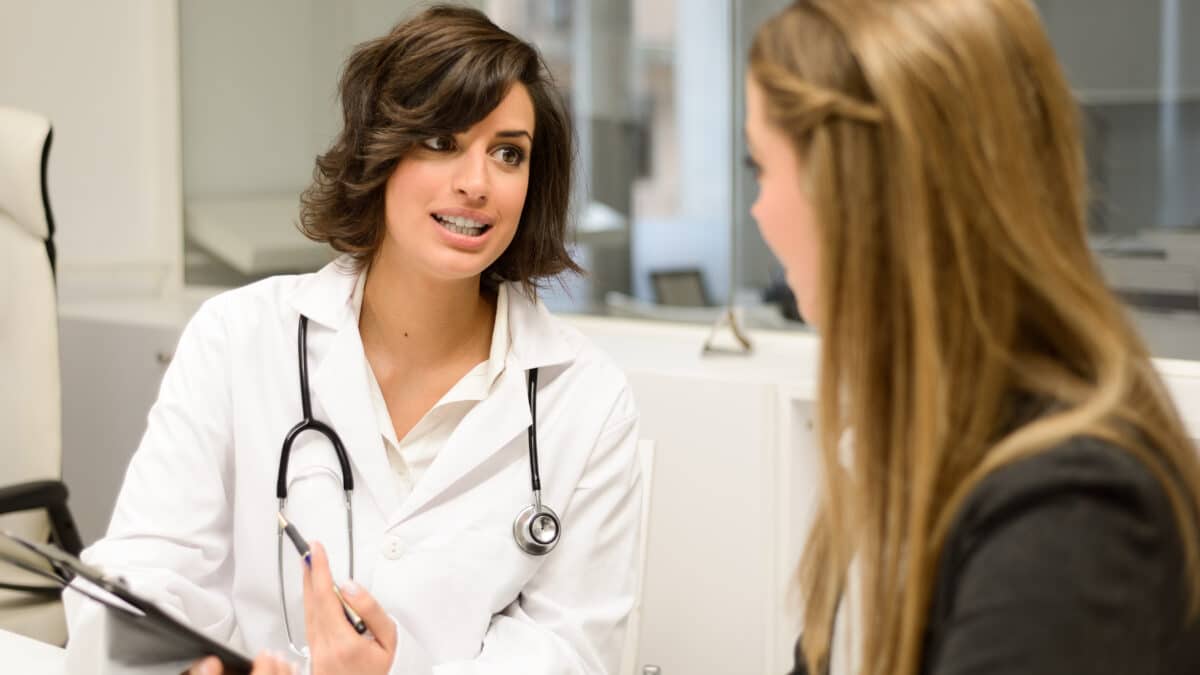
[
  {"x": 113, "y": 357},
  {"x": 733, "y": 487},
  {"x": 708, "y": 590}
]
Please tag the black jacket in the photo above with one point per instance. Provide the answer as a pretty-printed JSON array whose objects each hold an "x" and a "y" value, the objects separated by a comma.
[{"x": 1065, "y": 563}]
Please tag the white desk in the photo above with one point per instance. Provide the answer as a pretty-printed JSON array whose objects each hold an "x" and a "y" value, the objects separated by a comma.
[
  {"x": 19, "y": 654},
  {"x": 255, "y": 235},
  {"x": 24, "y": 655}
]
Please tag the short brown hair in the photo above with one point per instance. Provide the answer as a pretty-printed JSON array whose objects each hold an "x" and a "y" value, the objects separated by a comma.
[{"x": 440, "y": 72}]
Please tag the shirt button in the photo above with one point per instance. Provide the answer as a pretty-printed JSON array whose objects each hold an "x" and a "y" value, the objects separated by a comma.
[{"x": 392, "y": 548}]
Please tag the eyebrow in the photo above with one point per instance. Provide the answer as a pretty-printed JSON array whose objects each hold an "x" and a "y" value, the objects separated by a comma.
[{"x": 514, "y": 133}]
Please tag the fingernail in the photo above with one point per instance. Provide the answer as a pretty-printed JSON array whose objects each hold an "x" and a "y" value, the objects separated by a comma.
[{"x": 351, "y": 588}]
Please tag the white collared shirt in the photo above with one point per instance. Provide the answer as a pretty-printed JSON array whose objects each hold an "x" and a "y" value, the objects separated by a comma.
[{"x": 411, "y": 456}]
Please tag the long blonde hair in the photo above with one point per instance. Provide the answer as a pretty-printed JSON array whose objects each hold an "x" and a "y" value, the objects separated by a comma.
[{"x": 944, "y": 163}]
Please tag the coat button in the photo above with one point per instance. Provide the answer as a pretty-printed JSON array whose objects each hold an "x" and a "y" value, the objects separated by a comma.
[{"x": 392, "y": 548}]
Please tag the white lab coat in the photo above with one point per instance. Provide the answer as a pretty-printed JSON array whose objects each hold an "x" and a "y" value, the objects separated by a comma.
[{"x": 194, "y": 526}]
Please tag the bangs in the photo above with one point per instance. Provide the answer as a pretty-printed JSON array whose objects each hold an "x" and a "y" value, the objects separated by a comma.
[{"x": 463, "y": 85}]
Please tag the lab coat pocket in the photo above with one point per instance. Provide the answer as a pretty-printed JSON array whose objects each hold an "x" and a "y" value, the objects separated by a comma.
[{"x": 460, "y": 578}]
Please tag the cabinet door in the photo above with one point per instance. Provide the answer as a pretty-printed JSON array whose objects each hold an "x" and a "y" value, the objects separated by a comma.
[
  {"x": 111, "y": 372},
  {"x": 708, "y": 596}
]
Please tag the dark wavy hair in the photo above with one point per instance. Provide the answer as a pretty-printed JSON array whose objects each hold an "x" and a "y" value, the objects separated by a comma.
[{"x": 437, "y": 73}]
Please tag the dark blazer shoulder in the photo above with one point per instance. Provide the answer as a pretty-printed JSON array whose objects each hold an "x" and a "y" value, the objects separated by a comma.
[
  {"x": 1081, "y": 537},
  {"x": 1081, "y": 465}
]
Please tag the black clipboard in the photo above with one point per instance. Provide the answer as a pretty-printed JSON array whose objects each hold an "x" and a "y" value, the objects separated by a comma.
[{"x": 140, "y": 633}]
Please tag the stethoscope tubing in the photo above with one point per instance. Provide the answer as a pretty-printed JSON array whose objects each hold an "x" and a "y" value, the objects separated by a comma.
[{"x": 522, "y": 525}]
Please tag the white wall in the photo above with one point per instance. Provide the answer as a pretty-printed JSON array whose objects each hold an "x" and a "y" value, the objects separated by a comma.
[
  {"x": 104, "y": 74},
  {"x": 252, "y": 117}
]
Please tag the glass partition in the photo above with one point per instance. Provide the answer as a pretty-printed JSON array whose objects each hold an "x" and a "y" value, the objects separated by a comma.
[
  {"x": 648, "y": 88},
  {"x": 1135, "y": 69},
  {"x": 662, "y": 201}
]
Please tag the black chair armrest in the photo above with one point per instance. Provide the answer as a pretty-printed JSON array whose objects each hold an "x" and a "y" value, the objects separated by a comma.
[{"x": 50, "y": 495}]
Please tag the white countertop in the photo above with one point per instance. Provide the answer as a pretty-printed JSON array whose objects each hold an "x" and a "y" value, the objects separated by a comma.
[{"x": 25, "y": 655}]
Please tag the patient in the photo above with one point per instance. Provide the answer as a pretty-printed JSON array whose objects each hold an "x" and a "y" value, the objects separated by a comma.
[{"x": 1007, "y": 487}]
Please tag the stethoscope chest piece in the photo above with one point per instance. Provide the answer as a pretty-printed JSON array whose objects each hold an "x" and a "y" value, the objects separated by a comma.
[{"x": 536, "y": 529}]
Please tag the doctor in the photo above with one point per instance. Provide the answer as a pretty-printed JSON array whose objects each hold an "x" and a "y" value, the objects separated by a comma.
[{"x": 452, "y": 390}]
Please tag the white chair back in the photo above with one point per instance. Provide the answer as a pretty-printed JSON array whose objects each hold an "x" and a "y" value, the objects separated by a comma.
[{"x": 30, "y": 398}]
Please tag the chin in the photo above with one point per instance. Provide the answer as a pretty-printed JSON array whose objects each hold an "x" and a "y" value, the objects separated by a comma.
[{"x": 455, "y": 268}]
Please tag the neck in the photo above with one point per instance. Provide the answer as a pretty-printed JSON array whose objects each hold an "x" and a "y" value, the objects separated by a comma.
[{"x": 412, "y": 321}]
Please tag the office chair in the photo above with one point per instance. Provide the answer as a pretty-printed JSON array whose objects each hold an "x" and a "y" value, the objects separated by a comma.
[{"x": 33, "y": 498}]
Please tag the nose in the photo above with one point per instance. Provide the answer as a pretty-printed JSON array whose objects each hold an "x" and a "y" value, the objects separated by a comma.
[{"x": 471, "y": 179}]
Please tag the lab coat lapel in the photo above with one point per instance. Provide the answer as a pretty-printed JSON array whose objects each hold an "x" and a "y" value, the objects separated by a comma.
[
  {"x": 339, "y": 378},
  {"x": 341, "y": 387},
  {"x": 535, "y": 341},
  {"x": 491, "y": 425}
]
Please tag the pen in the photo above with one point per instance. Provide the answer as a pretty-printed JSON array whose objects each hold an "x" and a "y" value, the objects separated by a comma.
[{"x": 302, "y": 548}]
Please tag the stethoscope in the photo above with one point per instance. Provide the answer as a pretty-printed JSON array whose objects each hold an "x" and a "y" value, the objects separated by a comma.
[{"x": 536, "y": 528}]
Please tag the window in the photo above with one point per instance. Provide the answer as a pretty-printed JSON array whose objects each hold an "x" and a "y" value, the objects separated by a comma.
[{"x": 656, "y": 96}]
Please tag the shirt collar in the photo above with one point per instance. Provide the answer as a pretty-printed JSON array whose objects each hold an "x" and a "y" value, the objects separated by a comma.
[{"x": 535, "y": 338}]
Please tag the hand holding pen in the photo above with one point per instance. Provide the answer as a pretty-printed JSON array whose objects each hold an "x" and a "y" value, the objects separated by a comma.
[
  {"x": 305, "y": 552},
  {"x": 334, "y": 643}
]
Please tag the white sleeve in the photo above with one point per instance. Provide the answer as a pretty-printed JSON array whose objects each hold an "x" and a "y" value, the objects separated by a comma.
[
  {"x": 570, "y": 618},
  {"x": 171, "y": 529}
]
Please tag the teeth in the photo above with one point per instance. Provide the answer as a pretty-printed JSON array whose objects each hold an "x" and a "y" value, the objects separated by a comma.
[
  {"x": 460, "y": 225},
  {"x": 461, "y": 221}
]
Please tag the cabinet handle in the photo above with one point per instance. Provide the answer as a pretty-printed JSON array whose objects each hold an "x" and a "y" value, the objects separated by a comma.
[
  {"x": 651, "y": 670},
  {"x": 163, "y": 358}
]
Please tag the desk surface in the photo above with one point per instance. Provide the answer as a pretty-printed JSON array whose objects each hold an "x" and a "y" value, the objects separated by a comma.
[{"x": 25, "y": 655}]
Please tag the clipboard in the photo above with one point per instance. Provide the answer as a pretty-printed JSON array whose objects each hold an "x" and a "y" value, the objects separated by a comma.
[{"x": 140, "y": 633}]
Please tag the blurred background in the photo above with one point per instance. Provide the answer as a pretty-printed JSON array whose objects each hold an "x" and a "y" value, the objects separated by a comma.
[
  {"x": 655, "y": 88},
  {"x": 185, "y": 130},
  {"x": 662, "y": 217}
]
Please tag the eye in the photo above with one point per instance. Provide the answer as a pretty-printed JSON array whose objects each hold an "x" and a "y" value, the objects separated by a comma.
[
  {"x": 439, "y": 143},
  {"x": 752, "y": 165},
  {"x": 509, "y": 154}
]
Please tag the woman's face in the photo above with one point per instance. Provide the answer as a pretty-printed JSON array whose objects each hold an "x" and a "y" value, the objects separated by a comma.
[
  {"x": 453, "y": 202},
  {"x": 782, "y": 210}
]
